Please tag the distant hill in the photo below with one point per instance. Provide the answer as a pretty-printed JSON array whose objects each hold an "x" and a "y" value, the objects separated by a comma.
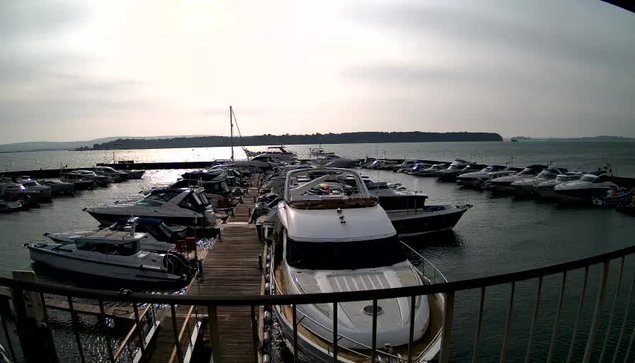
[
  {"x": 268, "y": 139},
  {"x": 50, "y": 145}
]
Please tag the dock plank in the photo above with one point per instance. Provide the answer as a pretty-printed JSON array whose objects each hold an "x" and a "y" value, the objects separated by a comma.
[{"x": 229, "y": 268}]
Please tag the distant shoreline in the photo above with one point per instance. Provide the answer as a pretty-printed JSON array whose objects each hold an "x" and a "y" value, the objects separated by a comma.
[{"x": 314, "y": 139}]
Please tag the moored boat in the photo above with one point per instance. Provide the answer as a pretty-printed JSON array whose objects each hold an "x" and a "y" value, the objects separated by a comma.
[
  {"x": 331, "y": 233},
  {"x": 586, "y": 188}
]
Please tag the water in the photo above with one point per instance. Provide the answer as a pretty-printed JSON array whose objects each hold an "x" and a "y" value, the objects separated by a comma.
[{"x": 500, "y": 234}]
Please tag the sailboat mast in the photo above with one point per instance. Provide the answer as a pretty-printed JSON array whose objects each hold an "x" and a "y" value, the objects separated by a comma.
[{"x": 231, "y": 130}]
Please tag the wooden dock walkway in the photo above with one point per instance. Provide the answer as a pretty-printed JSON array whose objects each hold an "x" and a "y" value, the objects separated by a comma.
[{"x": 230, "y": 268}]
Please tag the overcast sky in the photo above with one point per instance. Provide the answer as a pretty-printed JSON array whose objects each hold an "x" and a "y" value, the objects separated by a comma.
[{"x": 78, "y": 70}]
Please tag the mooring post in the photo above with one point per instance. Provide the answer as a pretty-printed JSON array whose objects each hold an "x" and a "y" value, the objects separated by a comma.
[{"x": 34, "y": 334}]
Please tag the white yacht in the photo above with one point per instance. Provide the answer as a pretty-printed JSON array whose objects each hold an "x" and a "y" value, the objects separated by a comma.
[
  {"x": 528, "y": 186},
  {"x": 7, "y": 206},
  {"x": 587, "y": 187},
  {"x": 115, "y": 256},
  {"x": 59, "y": 187},
  {"x": 477, "y": 179},
  {"x": 334, "y": 237},
  {"x": 79, "y": 180},
  {"x": 158, "y": 236},
  {"x": 504, "y": 183},
  {"x": 545, "y": 189},
  {"x": 433, "y": 170},
  {"x": 114, "y": 174},
  {"x": 185, "y": 206},
  {"x": 42, "y": 192}
]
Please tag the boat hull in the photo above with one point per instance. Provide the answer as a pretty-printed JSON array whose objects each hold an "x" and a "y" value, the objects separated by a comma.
[
  {"x": 136, "y": 274},
  {"x": 580, "y": 195},
  {"x": 107, "y": 219},
  {"x": 409, "y": 223}
]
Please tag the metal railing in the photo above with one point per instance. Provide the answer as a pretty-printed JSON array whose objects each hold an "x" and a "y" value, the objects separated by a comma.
[{"x": 184, "y": 343}]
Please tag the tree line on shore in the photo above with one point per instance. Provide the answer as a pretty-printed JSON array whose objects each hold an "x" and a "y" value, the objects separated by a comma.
[{"x": 268, "y": 139}]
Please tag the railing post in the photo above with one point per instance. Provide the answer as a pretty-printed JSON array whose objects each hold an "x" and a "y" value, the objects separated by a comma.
[
  {"x": 626, "y": 316},
  {"x": 597, "y": 314},
  {"x": 508, "y": 323},
  {"x": 140, "y": 334},
  {"x": 295, "y": 333},
  {"x": 577, "y": 318},
  {"x": 554, "y": 334},
  {"x": 412, "y": 327},
  {"x": 104, "y": 327},
  {"x": 617, "y": 293},
  {"x": 75, "y": 322},
  {"x": 214, "y": 333},
  {"x": 479, "y": 326},
  {"x": 175, "y": 328},
  {"x": 335, "y": 335},
  {"x": 34, "y": 334},
  {"x": 254, "y": 333},
  {"x": 448, "y": 316},
  {"x": 534, "y": 321},
  {"x": 373, "y": 349}
]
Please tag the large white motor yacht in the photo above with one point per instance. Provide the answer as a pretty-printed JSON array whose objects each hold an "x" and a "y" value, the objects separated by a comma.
[
  {"x": 545, "y": 188},
  {"x": 527, "y": 186},
  {"x": 477, "y": 179},
  {"x": 587, "y": 187},
  {"x": 186, "y": 206},
  {"x": 332, "y": 236},
  {"x": 504, "y": 183}
]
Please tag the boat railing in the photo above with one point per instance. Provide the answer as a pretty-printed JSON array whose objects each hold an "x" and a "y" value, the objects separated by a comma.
[
  {"x": 432, "y": 274},
  {"x": 590, "y": 338},
  {"x": 330, "y": 330}
]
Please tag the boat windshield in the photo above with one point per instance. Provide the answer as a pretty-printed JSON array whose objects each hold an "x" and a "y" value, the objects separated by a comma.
[
  {"x": 546, "y": 175},
  {"x": 327, "y": 187},
  {"x": 121, "y": 249},
  {"x": 564, "y": 178},
  {"x": 344, "y": 255},
  {"x": 588, "y": 178},
  {"x": 456, "y": 166}
]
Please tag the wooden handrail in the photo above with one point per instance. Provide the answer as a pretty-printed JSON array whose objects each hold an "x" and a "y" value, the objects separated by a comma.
[{"x": 124, "y": 343}]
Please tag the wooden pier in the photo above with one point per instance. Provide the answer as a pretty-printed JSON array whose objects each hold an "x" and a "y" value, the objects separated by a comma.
[{"x": 230, "y": 268}]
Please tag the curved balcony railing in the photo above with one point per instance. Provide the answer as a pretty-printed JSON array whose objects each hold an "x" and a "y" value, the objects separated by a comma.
[{"x": 181, "y": 306}]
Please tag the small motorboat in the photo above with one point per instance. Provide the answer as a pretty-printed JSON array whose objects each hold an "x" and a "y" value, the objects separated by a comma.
[
  {"x": 134, "y": 174},
  {"x": 59, "y": 187},
  {"x": 477, "y": 179},
  {"x": 114, "y": 174},
  {"x": 627, "y": 206},
  {"x": 410, "y": 215},
  {"x": 418, "y": 168},
  {"x": 7, "y": 206},
  {"x": 79, "y": 180},
  {"x": 586, "y": 188},
  {"x": 433, "y": 170},
  {"x": 40, "y": 193},
  {"x": 405, "y": 166},
  {"x": 159, "y": 237},
  {"x": 613, "y": 197},
  {"x": 450, "y": 174},
  {"x": 118, "y": 256},
  {"x": 184, "y": 206},
  {"x": 545, "y": 188},
  {"x": 527, "y": 186},
  {"x": 504, "y": 183}
]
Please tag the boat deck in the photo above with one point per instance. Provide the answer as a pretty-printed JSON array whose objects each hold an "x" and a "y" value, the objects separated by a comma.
[{"x": 230, "y": 268}]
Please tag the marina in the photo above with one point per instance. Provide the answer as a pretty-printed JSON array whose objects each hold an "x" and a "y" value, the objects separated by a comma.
[{"x": 231, "y": 267}]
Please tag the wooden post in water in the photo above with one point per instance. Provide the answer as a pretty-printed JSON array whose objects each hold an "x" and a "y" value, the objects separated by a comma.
[{"x": 33, "y": 330}]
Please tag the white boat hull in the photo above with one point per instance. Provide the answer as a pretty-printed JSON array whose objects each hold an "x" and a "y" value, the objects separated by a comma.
[{"x": 139, "y": 274}]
